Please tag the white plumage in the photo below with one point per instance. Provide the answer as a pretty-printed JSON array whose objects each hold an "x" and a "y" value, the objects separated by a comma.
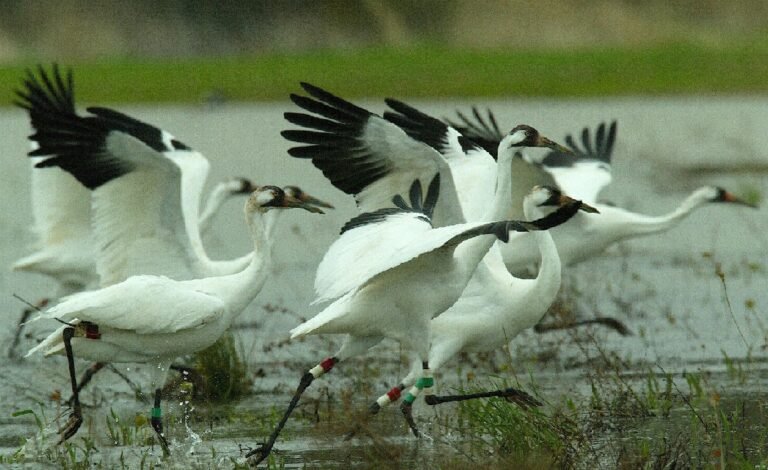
[
  {"x": 582, "y": 177},
  {"x": 129, "y": 215},
  {"x": 392, "y": 272},
  {"x": 156, "y": 319}
]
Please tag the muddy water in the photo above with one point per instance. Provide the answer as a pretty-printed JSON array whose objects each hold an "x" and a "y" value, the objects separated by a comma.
[{"x": 665, "y": 288}]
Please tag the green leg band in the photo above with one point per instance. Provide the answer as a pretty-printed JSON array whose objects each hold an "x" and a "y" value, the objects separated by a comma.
[
  {"x": 425, "y": 382},
  {"x": 409, "y": 398},
  {"x": 157, "y": 413}
]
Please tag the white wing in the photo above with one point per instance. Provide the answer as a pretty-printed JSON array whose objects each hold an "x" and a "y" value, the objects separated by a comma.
[
  {"x": 61, "y": 207},
  {"x": 382, "y": 240},
  {"x": 365, "y": 155},
  {"x": 144, "y": 304},
  {"x": 582, "y": 175},
  {"x": 588, "y": 171},
  {"x": 362, "y": 252},
  {"x": 473, "y": 168},
  {"x": 138, "y": 174}
]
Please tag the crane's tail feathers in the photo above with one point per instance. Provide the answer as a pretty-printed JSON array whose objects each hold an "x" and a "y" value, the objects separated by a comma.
[{"x": 53, "y": 344}]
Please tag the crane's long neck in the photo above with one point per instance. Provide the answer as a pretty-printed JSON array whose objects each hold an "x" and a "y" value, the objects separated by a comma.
[
  {"x": 547, "y": 283},
  {"x": 218, "y": 196},
  {"x": 637, "y": 225},
  {"x": 205, "y": 264},
  {"x": 472, "y": 251},
  {"x": 500, "y": 207},
  {"x": 241, "y": 288}
]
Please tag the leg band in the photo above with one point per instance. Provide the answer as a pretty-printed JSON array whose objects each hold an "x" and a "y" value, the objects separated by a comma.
[
  {"x": 427, "y": 382},
  {"x": 323, "y": 367},
  {"x": 410, "y": 397},
  {"x": 389, "y": 397}
]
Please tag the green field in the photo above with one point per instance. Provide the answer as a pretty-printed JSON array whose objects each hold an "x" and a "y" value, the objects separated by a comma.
[{"x": 672, "y": 69}]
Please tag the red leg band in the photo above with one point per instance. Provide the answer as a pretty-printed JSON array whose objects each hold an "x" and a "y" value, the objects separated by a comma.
[
  {"x": 328, "y": 364},
  {"x": 394, "y": 394}
]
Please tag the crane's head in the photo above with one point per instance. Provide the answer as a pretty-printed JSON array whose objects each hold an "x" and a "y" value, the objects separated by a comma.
[
  {"x": 543, "y": 196},
  {"x": 298, "y": 193},
  {"x": 524, "y": 135},
  {"x": 266, "y": 198},
  {"x": 718, "y": 194}
]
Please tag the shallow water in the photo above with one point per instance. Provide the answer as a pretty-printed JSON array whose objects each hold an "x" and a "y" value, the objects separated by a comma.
[{"x": 664, "y": 288}]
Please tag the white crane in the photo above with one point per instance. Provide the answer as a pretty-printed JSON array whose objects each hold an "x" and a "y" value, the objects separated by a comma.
[
  {"x": 493, "y": 309},
  {"x": 154, "y": 319},
  {"x": 584, "y": 177},
  {"x": 145, "y": 187},
  {"x": 491, "y": 290},
  {"x": 61, "y": 206},
  {"x": 391, "y": 271}
]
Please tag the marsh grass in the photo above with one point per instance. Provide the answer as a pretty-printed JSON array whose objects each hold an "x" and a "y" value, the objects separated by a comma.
[
  {"x": 672, "y": 68},
  {"x": 222, "y": 373}
]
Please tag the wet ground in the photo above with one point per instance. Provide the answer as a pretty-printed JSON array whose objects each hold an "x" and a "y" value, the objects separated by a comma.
[{"x": 695, "y": 298}]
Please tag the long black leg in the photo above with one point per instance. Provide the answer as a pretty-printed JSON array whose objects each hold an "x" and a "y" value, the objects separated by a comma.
[
  {"x": 157, "y": 423},
  {"x": 426, "y": 382},
  {"x": 76, "y": 419},
  {"x": 510, "y": 394},
  {"x": 20, "y": 326},
  {"x": 608, "y": 322},
  {"x": 260, "y": 453},
  {"x": 86, "y": 378}
]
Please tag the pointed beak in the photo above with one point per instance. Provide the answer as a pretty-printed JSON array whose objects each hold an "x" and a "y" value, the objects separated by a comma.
[
  {"x": 307, "y": 199},
  {"x": 291, "y": 201},
  {"x": 731, "y": 198},
  {"x": 564, "y": 200},
  {"x": 545, "y": 142}
]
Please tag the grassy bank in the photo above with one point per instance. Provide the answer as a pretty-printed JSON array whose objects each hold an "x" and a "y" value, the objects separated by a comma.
[{"x": 425, "y": 72}]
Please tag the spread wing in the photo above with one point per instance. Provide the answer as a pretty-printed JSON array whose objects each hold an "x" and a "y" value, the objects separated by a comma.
[
  {"x": 375, "y": 242},
  {"x": 586, "y": 175},
  {"x": 485, "y": 132},
  {"x": 473, "y": 168},
  {"x": 364, "y": 154},
  {"x": 139, "y": 175},
  {"x": 581, "y": 175},
  {"x": 61, "y": 207}
]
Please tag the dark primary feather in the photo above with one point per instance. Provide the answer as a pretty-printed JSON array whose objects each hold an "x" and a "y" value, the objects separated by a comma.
[
  {"x": 74, "y": 143},
  {"x": 42, "y": 95},
  {"x": 333, "y": 140},
  {"x": 487, "y": 135},
  {"x": 425, "y": 206},
  {"x": 423, "y": 127},
  {"x": 373, "y": 218},
  {"x": 147, "y": 133},
  {"x": 335, "y": 101},
  {"x": 602, "y": 150},
  {"x": 77, "y": 145}
]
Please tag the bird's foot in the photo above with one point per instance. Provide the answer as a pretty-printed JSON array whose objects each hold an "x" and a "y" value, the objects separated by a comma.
[
  {"x": 157, "y": 424},
  {"x": 407, "y": 409},
  {"x": 520, "y": 398},
  {"x": 70, "y": 427},
  {"x": 164, "y": 445}
]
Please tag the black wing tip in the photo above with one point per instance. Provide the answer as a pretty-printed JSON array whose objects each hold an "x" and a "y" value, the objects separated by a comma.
[{"x": 560, "y": 216}]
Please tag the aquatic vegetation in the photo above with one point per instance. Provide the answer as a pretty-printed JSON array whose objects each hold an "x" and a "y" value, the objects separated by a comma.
[{"x": 223, "y": 374}]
